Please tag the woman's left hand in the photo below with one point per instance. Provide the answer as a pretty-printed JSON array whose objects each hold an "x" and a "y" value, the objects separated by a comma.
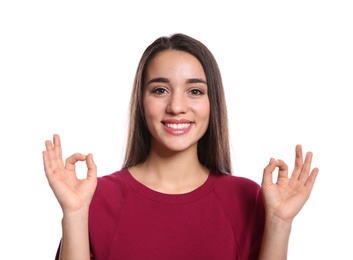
[{"x": 285, "y": 198}]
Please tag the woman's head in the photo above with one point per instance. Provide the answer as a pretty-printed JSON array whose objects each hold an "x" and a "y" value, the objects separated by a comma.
[{"x": 213, "y": 147}]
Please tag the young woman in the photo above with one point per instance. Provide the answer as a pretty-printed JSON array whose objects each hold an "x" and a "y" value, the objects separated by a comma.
[{"x": 175, "y": 196}]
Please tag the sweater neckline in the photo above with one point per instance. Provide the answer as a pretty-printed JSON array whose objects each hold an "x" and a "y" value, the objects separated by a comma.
[{"x": 182, "y": 198}]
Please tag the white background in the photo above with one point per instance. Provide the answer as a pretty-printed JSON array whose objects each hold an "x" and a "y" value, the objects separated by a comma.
[{"x": 67, "y": 67}]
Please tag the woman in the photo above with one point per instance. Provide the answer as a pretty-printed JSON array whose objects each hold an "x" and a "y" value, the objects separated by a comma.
[{"x": 175, "y": 196}]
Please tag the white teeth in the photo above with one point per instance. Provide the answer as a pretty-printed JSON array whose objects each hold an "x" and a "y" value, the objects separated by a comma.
[{"x": 178, "y": 126}]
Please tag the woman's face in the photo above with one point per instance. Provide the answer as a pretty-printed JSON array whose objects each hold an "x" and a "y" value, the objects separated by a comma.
[{"x": 175, "y": 101}]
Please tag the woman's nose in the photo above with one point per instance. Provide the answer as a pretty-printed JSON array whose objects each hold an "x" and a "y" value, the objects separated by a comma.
[{"x": 177, "y": 104}]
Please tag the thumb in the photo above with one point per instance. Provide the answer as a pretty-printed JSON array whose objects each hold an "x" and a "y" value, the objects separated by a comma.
[{"x": 91, "y": 168}]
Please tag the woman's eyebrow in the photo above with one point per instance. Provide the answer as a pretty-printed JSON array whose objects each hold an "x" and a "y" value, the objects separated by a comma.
[
  {"x": 166, "y": 80},
  {"x": 196, "y": 80},
  {"x": 160, "y": 79}
]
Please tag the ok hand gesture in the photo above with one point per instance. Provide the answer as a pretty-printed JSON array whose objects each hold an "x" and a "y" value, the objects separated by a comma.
[
  {"x": 285, "y": 198},
  {"x": 72, "y": 193}
]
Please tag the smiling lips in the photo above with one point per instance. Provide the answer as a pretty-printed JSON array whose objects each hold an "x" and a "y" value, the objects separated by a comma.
[{"x": 177, "y": 128}]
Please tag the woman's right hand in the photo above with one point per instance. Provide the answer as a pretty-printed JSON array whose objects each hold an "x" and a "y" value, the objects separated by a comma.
[{"x": 72, "y": 193}]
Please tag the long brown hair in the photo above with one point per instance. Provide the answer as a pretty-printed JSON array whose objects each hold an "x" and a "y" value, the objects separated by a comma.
[{"x": 213, "y": 148}]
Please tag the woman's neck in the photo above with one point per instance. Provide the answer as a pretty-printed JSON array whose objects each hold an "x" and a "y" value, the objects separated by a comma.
[{"x": 174, "y": 174}]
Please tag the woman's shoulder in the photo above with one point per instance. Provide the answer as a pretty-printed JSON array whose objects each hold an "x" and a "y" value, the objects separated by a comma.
[
  {"x": 237, "y": 193},
  {"x": 111, "y": 184},
  {"x": 113, "y": 178},
  {"x": 235, "y": 180},
  {"x": 111, "y": 191},
  {"x": 233, "y": 185}
]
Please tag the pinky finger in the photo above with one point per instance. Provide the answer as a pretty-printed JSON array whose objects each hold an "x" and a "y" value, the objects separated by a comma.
[
  {"x": 312, "y": 178},
  {"x": 46, "y": 163}
]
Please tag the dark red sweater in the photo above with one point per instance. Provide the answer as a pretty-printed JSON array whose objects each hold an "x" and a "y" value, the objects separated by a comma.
[{"x": 222, "y": 219}]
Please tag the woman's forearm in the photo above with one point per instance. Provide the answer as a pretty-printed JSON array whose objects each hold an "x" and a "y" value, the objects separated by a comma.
[
  {"x": 75, "y": 239},
  {"x": 275, "y": 239}
]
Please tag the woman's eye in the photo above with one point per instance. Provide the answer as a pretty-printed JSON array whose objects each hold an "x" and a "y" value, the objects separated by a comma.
[
  {"x": 159, "y": 91},
  {"x": 196, "y": 92}
]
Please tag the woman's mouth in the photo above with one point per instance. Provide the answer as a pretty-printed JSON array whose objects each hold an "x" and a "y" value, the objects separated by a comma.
[{"x": 177, "y": 126}]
